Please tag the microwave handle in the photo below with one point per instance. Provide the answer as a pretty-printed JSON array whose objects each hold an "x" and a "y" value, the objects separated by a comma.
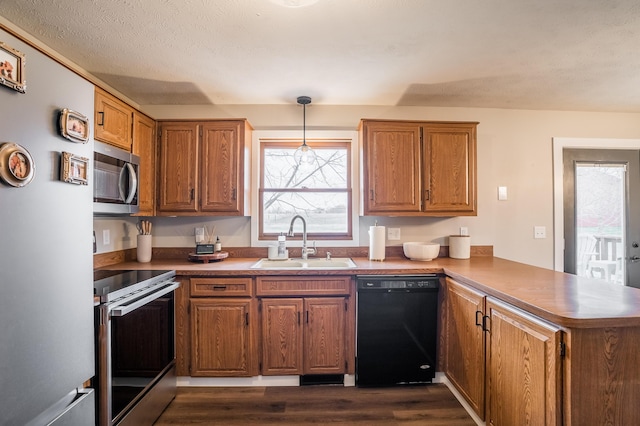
[{"x": 133, "y": 180}]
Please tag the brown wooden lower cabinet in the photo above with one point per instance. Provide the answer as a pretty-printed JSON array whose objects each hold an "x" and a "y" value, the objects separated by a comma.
[
  {"x": 464, "y": 358},
  {"x": 304, "y": 335},
  {"x": 505, "y": 362},
  {"x": 295, "y": 326},
  {"x": 523, "y": 368},
  {"x": 308, "y": 324},
  {"x": 223, "y": 318}
]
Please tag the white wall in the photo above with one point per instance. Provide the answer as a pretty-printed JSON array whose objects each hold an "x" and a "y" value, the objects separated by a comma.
[{"x": 514, "y": 150}]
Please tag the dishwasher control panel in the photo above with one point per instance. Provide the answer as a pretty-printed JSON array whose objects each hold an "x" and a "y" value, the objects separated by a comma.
[{"x": 398, "y": 282}]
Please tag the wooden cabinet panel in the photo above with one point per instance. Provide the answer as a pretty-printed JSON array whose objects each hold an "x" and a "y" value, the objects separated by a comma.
[
  {"x": 304, "y": 335},
  {"x": 222, "y": 337},
  {"x": 297, "y": 286},
  {"x": 414, "y": 168},
  {"x": 464, "y": 355},
  {"x": 178, "y": 184},
  {"x": 219, "y": 287},
  {"x": 392, "y": 167},
  {"x": 220, "y": 176},
  {"x": 449, "y": 172},
  {"x": 112, "y": 120},
  {"x": 523, "y": 368},
  {"x": 282, "y": 336},
  {"x": 324, "y": 336},
  {"x": 307, "y": 334},
  {"x": 144, "y": 146},
  {"x": 203, "y": 166}
]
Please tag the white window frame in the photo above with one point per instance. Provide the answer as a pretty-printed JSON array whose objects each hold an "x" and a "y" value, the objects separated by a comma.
[{"x": 270, "y": 135}]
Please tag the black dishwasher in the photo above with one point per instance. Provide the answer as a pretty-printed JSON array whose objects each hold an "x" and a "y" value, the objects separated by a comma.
[{"x": 396, "y": 329}]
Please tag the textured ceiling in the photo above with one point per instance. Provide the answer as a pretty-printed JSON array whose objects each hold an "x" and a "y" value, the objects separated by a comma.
[{"x": 581, "y": 55}]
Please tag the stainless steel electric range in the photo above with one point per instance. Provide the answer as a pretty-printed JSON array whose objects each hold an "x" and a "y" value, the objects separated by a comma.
[{"x": 135, "y": 345}]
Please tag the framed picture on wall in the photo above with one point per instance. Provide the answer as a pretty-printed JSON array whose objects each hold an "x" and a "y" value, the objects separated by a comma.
[
  {"x": 74, "y": 126},
  {"x": 12, "y": 68},
  {"x": 74, "y": 169}
]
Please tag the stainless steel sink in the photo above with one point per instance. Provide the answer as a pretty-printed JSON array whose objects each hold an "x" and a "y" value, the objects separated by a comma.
[{"x": 319, "y": 263}]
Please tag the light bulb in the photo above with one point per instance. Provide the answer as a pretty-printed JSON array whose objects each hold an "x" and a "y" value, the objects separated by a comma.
[{"x": 304, "y": 155}]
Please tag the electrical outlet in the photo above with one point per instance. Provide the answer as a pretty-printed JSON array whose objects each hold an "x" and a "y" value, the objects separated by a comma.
[
  {"x": 464, "y": 230},
  {"x": 539, "y": 232},
  {"x": 199, "y": 233},
  {"x": 393, "y": 233},
  {"x": 106, "y": 237}
]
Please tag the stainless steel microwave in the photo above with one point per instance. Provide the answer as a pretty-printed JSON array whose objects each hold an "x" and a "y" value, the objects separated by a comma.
[{"x": 115, "y": 180}]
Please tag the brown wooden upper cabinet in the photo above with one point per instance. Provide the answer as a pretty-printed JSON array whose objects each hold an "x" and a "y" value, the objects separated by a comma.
[
  {"x": 112, "y": 120},
  {"x": 144, "y": 146},
  {"x": 418, "y": 168},
  {"x": 202, "y": 167},
  {"x": 121, "y": 125}
]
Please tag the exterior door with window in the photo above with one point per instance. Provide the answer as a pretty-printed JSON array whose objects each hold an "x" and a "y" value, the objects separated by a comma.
[{"x": 602, "y": 214}]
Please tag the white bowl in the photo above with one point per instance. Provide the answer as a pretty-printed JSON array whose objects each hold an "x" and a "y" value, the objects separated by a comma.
[{"x": 421, "y": 251}]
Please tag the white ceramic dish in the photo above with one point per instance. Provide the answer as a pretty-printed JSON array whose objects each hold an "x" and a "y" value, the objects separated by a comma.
[{"x": 421, "y": 251}]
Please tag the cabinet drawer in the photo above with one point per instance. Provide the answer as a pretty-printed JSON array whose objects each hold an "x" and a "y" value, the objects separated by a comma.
[
  {"x": 298, "y": 286},
  {"x": 220, "y": 287}
]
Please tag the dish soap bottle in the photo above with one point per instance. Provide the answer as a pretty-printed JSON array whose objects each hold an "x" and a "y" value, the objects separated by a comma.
[
  {"x": 218, "y": 245},
  {"x": 282, "y": 245}
]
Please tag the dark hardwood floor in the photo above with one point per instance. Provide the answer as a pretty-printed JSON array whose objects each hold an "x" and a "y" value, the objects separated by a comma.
[{"x": 315, "y": 405}]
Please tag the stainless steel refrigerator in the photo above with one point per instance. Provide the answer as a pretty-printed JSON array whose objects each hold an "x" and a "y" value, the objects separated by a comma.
[{"x": 46, "y": 261}]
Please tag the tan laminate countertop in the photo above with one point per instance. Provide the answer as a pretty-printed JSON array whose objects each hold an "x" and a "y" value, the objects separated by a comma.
[{"x": 564, "y": 299}]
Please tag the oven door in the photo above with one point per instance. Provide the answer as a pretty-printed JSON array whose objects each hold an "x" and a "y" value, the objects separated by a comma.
[{"x": 136, "y": 350}]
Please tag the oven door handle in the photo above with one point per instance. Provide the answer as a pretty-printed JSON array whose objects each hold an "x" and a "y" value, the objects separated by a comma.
[{"x": 122, "y": 310}]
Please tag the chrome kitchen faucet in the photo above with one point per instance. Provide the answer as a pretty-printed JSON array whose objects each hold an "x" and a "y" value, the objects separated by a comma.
[{"x": 305, "y": 251}]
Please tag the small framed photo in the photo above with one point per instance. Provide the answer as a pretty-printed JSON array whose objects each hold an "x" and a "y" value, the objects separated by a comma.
[
  {"x": 74, "y": 126},
  {"x": 12, "y": 68},
  {"x": 74, "y": 169}
]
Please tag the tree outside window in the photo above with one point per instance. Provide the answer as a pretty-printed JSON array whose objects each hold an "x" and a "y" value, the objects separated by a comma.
[{"x": 320, "y": 192}]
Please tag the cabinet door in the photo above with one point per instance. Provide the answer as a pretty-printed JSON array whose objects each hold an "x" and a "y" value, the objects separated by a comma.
[
  {"x": 324, "y": 335},
  {"x": 391, "y": 167},
  {"x": 220, "y": 151},
  {"x": 144, "y": 146},
  {"x": 281, "y": 336},
  {"x": 112, "y": 120},
  {"x": 222, "y": 338},
  {"x": 523, "y": 368},
  {"x": 464, "y": 340},
  {"x": 178, "y": 165},
  {"x": 450, "y": 168}
]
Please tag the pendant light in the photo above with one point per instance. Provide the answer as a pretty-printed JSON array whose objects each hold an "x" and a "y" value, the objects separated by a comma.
[{"x": 304, "y": 154}]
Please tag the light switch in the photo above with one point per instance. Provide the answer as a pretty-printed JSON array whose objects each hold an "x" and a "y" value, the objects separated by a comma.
[
  {"x": 502, "y": 193},
  {"x": 106, "y": 237}
]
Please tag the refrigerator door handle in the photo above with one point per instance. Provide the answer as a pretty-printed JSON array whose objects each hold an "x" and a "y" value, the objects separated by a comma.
[{"x": 124, "y": 309}]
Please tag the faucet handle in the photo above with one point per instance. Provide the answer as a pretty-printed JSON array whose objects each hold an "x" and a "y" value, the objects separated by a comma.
[{"x": 312, "y": 250}]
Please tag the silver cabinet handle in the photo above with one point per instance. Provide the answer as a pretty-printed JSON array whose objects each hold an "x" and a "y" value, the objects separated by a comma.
[{"x": 634, "y": 258}]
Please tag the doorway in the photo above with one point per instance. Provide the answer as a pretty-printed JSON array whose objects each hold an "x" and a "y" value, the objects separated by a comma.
[{"x": 602, "y": 214}]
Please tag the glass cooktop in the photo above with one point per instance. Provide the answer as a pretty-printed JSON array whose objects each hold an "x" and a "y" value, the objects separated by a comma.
[{"x": 112, "y": 284}]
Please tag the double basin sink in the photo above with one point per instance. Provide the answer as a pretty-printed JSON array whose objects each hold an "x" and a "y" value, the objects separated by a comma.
[{"x": 314, "y": 263}]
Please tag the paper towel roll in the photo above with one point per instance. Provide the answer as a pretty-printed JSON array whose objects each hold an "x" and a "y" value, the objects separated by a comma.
[
  {"x": 377, "y": 242},
  {"x": 459, "y": 246}
]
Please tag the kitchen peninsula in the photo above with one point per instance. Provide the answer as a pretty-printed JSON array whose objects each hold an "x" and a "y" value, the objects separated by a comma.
[{"x": 565, "y": 346}]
